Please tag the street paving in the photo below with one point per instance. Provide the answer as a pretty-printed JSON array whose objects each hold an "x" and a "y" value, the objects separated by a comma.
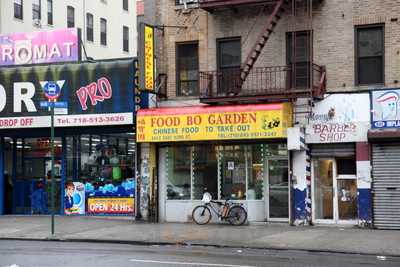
[{"x": 52, "y": 253}]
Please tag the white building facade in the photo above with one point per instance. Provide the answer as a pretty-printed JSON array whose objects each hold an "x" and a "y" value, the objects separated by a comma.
[{"x": 108, "y": 28}]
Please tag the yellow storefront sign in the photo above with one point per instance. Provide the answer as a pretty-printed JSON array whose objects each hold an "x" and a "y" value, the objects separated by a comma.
[
  {"x": 264, "y": 121},
  {"x": 149, "y": 57}
]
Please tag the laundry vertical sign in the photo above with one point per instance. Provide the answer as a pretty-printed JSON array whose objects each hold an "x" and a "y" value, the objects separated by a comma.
[
  {"x": 385, "y": 111},
  {"x": 146, "y": 58}
]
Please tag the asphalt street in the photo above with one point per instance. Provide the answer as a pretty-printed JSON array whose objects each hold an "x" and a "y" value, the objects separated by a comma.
[{"x": 49, "y": 253}]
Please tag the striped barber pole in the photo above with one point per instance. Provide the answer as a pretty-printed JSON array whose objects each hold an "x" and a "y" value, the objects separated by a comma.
[{"x": 308, "y": 179}]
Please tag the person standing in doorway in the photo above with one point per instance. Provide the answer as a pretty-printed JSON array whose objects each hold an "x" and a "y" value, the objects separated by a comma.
[{"x": 8, "y": 193}]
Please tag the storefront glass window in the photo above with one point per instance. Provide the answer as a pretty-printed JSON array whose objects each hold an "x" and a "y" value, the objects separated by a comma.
[
  {"x": 105, "y": 171},
  {"x": 233, "y": 172},
  {"x": 255, "y": 184},
  {"x": 179, "y": 160},
  {"x": 237, "y": 172},
  {"x": 276, "y": 150},
  {"x": 205, "y": 171}
]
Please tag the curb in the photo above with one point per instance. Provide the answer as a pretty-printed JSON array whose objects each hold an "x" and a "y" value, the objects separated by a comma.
[{"x": 159, "y": 243}]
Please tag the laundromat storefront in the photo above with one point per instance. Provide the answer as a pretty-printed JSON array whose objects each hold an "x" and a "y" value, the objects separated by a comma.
[
  {"x": 94, "y": 139},
  {"x": 236, "y": 152}
]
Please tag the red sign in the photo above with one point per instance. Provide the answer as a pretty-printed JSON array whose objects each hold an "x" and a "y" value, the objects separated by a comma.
[{"x": 116, "y": 205}]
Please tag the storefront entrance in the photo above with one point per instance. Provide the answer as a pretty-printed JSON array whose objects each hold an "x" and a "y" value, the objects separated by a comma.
[
  {"x": 277, "y": 204},
  {"x": 255, "y": 174},
  {"x": 28, "y": 172},
  {"x": 334, "y": 190},
  {"x": 99, "y": 168}
]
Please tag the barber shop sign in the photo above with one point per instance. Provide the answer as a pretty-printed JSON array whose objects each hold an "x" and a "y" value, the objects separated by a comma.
[{"x": 339, "y": 118}]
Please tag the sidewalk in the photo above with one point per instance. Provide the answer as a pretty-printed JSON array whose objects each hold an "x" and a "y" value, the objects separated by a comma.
[{"x": 271, "y": 236}]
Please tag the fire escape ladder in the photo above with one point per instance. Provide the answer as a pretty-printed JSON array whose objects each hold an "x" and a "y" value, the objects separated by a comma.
[{"x": 262, "y": 40}]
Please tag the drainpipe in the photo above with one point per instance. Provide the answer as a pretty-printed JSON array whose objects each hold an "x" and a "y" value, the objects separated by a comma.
[
  {"x": 1, "y": 16},
  {"x": 83, "y": 37}
]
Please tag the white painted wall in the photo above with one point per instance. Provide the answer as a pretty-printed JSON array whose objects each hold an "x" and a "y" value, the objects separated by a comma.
[{"x": 111, "y": 10}]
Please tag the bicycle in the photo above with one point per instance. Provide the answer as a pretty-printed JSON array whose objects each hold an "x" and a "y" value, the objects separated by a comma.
[{"x": 234, "y": 213}]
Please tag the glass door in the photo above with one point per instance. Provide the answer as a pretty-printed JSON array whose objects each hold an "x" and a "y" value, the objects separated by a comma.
[
  {"x": 323, "y": 188},
  {"x": 334, "y": 191},
  {"x": 347, "y": 200},
  {"x": 32, "y": 172},
  {"x": 278, "y": 190}
]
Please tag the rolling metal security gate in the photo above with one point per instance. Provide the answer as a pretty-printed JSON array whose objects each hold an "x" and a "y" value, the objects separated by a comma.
[
  {"x": 386, "y": 185},
  {"x": 333, "y": 150}
]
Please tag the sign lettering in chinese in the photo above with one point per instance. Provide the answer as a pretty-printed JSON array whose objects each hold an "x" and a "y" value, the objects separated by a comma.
[
  {"x": 385, "y": 108},
  {"x": 146, "y": 58},
  {"x": 40, "y": 47},
  {"x": 213, "y": 123},
  {"x": 339, "y": 118},
  {"x": 89, "y": 94},
  {"x": 117, "y": 205}
]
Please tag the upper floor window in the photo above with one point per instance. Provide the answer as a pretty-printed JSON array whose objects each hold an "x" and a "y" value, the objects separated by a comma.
[
  {"x": 228, "y": 62},
  {"x": 187, "y": 69},
  {"x": 50, "y": 12},
  {"x": 370, "y": 55},
  {"x": 125, "y": 39},
  {"x": 89, "y": 27},
  {"x": 125, "y": 4},
  {"x": 70, "y": 17},
  {"x": 36, "y": 10},
  {"x": 298, "y": 58},
  {"x": 103, "y": 31},
  {"x": 18, "y": 6}
]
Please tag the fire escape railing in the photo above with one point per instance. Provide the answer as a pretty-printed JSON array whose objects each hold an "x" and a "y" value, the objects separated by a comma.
[{"x": 261, "y": 81}]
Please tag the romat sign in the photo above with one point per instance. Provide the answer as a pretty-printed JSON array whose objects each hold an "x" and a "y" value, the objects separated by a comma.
[
  {"x": 91, "y": 94},
  {"x": 60, "y": 45},
  {"x": 262, "y": 121}
]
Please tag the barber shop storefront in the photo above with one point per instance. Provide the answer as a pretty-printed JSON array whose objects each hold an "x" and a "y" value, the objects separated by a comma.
[
  {"x": 94, "y": 146},
  {"x": 233, "y": 152},
  {"x": 340, "y": 173}
]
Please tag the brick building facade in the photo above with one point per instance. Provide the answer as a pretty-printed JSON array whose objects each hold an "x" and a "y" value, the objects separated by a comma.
[{"x": 354, "y": 49}]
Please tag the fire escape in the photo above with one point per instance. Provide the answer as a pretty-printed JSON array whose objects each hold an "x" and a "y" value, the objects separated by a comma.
[{"x": 299, "y": 79}]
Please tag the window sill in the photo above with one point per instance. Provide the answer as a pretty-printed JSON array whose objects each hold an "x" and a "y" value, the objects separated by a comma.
[
  {"x": 18, "y": 19},
  {"x": 370, "y": 86}
]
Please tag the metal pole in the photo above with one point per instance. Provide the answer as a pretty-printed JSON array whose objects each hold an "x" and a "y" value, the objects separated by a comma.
[
  {"x": 2, "y": 178},
  {"x": 52, "y": 168}
]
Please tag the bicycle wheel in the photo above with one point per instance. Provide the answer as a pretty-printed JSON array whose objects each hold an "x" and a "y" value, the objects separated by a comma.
[
  {"x": 237, "y": 215},
  {"x": 201, "y": 215}
]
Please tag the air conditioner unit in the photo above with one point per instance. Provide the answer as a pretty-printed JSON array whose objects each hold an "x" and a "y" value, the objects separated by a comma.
[
  {"x": 37, "y": 23},
  {"x": 185, "y": 2}
]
